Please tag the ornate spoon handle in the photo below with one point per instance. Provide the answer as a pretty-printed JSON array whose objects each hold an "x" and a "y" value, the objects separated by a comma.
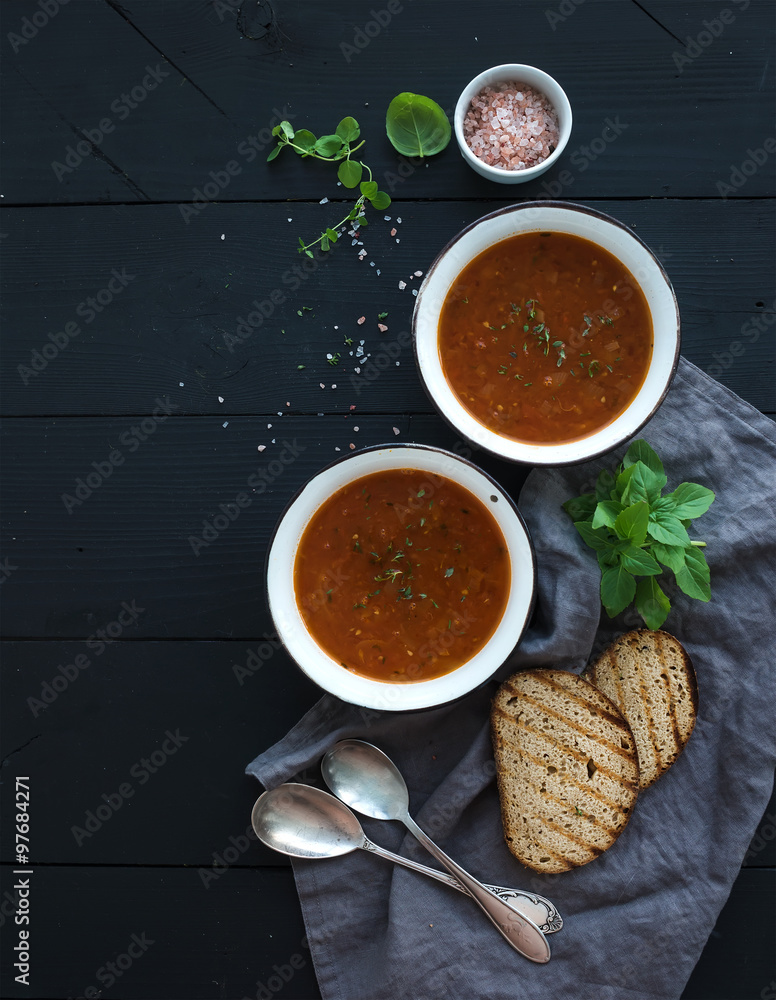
[{"x": 538, "y": 909}]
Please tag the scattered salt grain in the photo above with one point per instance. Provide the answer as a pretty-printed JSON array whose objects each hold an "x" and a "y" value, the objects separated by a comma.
[
  {"x": 220, "y": 399},
  {"x": 180, "y": 384},
  {"x": 355, "y": 428},
  {"x": 352, "y": 407},
  {"x": 371, "y": 263},
  {"x": 397, "y": 218},
  {"x": 321, "y": 385},
  {"x": 225, "y": 423},
  {"x": 387, "y": 218},
  {"x": 290, "y": 220},
  {"x": 352, "y": 446},
  {"x": 324, "y": 201},
  {"x": 360, "y": 321},
  {"x": 223, "y": 236},
  {"x": 334, "y": 386},
  {"x": 414, "y": 291},
  {"x": 262, "y": 447},
  {"x": 394, "y": 231},
  {"x": 382, "y": 327},
  {"x": 418, "y": 274},
  {"x": 273, "y": 440},
  {"x": 268, "y": 426},
  {"x": 396, "y": 430},
  {"x": 402, "y": 285},
  {"x": 337, "y": 449}
]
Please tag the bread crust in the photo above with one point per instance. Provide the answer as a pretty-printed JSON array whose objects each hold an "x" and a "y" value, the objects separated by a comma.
[
  {"x": 566, "y": 769},
  {"x": 651, "y": 678}
]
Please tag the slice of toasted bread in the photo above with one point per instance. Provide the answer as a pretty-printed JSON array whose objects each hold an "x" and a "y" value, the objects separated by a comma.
[
  {"x": 566, "y": 766},
  {"x": 651, "y": 679}
]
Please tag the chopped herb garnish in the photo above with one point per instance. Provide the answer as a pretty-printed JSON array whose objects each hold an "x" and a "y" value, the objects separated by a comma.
[{"x": 449, "y": 572}]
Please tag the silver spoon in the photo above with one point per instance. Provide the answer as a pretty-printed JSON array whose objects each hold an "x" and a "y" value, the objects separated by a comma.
[
  {"x": 306, "y": 822},
  {"x": 369, "y": 782}
]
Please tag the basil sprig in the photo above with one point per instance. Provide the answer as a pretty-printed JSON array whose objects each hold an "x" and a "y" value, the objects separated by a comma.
[{"x": 637, "y": 533}]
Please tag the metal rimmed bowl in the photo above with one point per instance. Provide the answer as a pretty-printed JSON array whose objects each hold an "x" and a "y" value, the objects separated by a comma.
[
  {"x": 328, "y": 672},
  {"x": 577, "y": 220}
]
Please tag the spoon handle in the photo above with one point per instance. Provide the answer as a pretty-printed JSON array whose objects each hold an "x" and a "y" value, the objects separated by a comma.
[
  {"x": 519, "y": 931},
  {"x": 536, "y": 908}
]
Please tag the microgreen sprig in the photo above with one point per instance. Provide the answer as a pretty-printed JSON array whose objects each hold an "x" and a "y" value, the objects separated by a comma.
[
  {"x": 636, "y": 531},
  {"x": 337, "y": 147}
]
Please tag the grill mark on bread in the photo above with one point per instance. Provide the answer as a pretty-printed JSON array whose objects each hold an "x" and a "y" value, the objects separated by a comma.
[
  {"x": 602, "y": 740},
  {"x": 584, "y": 844},
  {"x": 599, "y": 796},
  {"x": 651, "y": 728},
  {"x": 671, "y": 703},
  {"x": 615, "y": 720},
  {"x": 576, "y": 754}
]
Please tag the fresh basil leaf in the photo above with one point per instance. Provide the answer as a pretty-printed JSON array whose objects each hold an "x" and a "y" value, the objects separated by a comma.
[
  {"x": 328, "y": 145},
  {"x": 604, "y": 486},
  {"x": 596, "y": 538},
  {"x": 693, "y": 578},
  {"x": 273, "y": 153},
  {"x": 416, "y": 125},
  {"x": 621, "y": 484},
  {"x": 667, "y": 529},
  {"x": 632, "y": 522},
  {"x": 607, "y": 557},
  {"x": 606, "y": 513},
  {"x": 349, "y": 172},
  {"x": 380, "y": 201},
  {"x": 691, "y": 500},
  {"x": 639, "y": 562},
  {"x": 671, "y": 556},
  {"x": 651, "y": 603},
  {"x": 305, "y": 139},
  {"x": 640, "y": 451},
  {"x": 665, "y": 505},
  {"x": 286, "y": 128},
  {"x": 617, "y": 589},
  {"x": 580, "y": 508},
  {"x": 368, "y": 189},
  {"x": 643, "y": 484},
  {"x": 348, "y": 129}
]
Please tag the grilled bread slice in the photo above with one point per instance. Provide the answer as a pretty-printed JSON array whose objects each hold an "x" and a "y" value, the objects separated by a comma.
[
  {"x": 566, "y": 767},
  {"x": 651, "y": 679}
]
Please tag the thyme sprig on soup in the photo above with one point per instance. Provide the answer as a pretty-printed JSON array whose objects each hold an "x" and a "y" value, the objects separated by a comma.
[
  {"x": 545, "y": 337},
  {"x": 402, "y": 575}
]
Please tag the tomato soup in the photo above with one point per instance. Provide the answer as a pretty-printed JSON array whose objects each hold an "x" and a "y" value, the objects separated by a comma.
[
  {"x": 545, "y": 337},
  {"x": 402, "y": 576}
]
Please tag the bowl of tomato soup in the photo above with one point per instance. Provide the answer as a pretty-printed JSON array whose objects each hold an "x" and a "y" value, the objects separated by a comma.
[
  {"x": 400, "y": 577},
  {"x": 546, "y": 333}
]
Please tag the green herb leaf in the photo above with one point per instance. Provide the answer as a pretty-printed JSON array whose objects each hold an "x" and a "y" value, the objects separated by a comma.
[
  {"x": 305, "y": 139},
  {"x": 580, "y": 508},
  {"x": 273, "y": 153},
  {"x": 606, "y": 513},
  {"x": 668, "y": 529},
  {"x": 449, "y": 572},
  {"x": 328, "y": 145},
  {"x": 416, "y": 125},
  {"x": 617, "y": 589},
  {"x": 693, "y": 578},
  {"x": 639, "y": 562},
  {"x": 380, "y": 201},
  {"x": 691, "y": 500},
  {"x": 643, "y": 484},
  {"x": 671, "y": 556},
  {"x": 605, "y": 486},
  {"x": 651, "y": 603},
  {"x": 348, "y": 129},
  {"x": 349, "y": 172},
  {"x": 632, "y": 522},
  {"x": 368, "y": 189},
  {"x": 596, "y": 538},
  {"x": 640, "y": 451}
]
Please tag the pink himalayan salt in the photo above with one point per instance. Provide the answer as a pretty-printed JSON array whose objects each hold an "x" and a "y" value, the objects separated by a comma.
[{"x": 511, "y": 126}]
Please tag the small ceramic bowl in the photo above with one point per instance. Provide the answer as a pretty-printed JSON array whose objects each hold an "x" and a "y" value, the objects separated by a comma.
[
  {"x": 535, "y": 78},
  {"x": 578, "y": 220},
  {"x": 386, "y": 695}
]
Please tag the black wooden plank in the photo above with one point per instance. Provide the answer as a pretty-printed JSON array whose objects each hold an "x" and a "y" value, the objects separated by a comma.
[
  {"x": 224, "y": 941},
  {"x": 175, "y": 315},
  {"x": 81, "y": 733},
  {"x": 132, "y": 538},
  {"x": 222, "y": 88},
  {"x": 190, "y": 942}
]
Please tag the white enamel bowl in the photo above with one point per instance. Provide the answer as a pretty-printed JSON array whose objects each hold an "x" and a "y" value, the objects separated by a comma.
[
  {"x": 327, "y": 672},
  {"x": 544, "y": 216},
  {"x": 519, "y": 73}
]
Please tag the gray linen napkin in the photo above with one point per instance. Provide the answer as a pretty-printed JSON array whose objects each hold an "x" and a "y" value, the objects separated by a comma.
[{"x": 637, "y": 918}]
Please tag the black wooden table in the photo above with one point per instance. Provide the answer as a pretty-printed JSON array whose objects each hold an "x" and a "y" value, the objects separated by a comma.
[{"x": 141, "y": 227}]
